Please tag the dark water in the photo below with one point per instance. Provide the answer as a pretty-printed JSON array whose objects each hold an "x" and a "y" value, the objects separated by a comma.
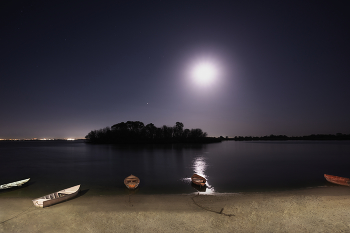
[{"x": 228, "y": 166}]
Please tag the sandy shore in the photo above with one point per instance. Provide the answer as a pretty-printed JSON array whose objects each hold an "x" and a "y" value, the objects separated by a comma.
[{"x": 324, "y": 209}]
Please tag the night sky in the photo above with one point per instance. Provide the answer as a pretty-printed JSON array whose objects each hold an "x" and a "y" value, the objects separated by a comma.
[{"x": 273, "y": 67}]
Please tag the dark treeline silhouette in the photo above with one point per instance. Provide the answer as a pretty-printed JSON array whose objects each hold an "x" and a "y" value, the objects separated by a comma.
[
  {"x": 338, "y": 136},
  {"x": 137, "y": 132}
]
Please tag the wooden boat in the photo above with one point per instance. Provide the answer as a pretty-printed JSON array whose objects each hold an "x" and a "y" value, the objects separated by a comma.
[
  {"x": 131, "y": 182},
  {"x": 57, "y": 197},
  {"x": 199, "y": 188},
  {"x": 198, "y": 180},
  {"x": 337, "y": 180},
  {"x": 14, "y": 184}
]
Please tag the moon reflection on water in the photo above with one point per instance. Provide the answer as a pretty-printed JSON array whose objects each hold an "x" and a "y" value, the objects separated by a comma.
[{"x": 199, "y": 167}]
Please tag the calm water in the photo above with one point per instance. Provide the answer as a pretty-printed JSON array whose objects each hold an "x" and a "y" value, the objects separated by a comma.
[{"x": 228, "y": 166}]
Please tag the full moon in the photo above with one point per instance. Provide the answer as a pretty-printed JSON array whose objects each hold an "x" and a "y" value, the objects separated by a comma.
[{"x": 204, "y": 73}]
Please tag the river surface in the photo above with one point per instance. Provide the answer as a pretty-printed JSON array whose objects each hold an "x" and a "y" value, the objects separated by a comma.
[{"x": 229, "y": 166}]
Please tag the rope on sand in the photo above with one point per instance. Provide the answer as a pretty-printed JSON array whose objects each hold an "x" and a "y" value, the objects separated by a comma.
[
  {"x": 130, "y": 194},
  {"x": 130, "y": 200},
  {"x": 207, "y": 209},
  {"x": 21, "y": 213}
]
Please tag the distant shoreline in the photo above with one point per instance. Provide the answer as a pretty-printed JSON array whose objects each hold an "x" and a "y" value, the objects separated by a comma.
[
  {"x": 312, "y": 137},
  {"x": 338, "y": 136}
]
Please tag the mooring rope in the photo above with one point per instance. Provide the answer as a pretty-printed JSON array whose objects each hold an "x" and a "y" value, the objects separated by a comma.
[
  {"x": 130, "y": 200},
  {"x": 207, "y": 209},
  {"x": 21, "y": 213}
]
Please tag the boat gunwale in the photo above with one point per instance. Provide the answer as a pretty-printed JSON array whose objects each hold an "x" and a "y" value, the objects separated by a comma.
[
  {"x": 337, "y": 180},
  {"x": 49, "y": 202},
  {"x": 24, "y": 181}
]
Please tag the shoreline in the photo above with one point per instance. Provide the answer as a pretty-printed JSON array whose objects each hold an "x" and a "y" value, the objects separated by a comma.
[
  {"x": 304, "y": 210},
  {"x": 30, "y": 192}
]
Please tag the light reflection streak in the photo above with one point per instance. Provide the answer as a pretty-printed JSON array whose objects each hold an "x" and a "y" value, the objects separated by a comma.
[{"x": 199, "y": 167}]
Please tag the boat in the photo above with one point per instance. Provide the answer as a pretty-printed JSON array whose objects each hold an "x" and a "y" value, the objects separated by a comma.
[
  {"x": 57, "y": 197},
  {"x": 337, "y": 180},
  {"x": 14, "y": 184},
  {"x": 199, "y": 188},
  {"x": 198, "y": 180},
  {"x": 131, "y": 182}
]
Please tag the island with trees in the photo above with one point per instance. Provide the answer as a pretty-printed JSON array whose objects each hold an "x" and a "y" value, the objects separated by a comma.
[{"x": 137, "y": 132}]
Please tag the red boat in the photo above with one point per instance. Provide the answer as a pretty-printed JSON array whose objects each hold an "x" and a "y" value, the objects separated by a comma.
[
  {"x": 131, "y": 182},
  {"x": 198, "y": 180},
  {"x": 337, "y": 180}
]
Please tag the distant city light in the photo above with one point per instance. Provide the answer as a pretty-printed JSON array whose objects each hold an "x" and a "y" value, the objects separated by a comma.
[{"x": 70, "y": 139}]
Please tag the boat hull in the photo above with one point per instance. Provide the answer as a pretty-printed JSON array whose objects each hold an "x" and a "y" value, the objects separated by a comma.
[
  {"x": 198, "y": 180},
  {"x": 131, "y": 182},
  {"x": 199, "y": 188},
  {"x": 14, "y": 184},
  {"x": 337, "y": 180},
  {"x": 57, "y": 197}
]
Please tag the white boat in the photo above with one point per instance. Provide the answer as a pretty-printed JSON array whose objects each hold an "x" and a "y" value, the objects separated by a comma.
[
  {"x": 14, "y": 184},
  {"x": 57, "y": 197}
]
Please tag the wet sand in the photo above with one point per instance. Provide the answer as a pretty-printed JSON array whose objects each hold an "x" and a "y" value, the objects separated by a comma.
[{"x": 323, "y": 209}]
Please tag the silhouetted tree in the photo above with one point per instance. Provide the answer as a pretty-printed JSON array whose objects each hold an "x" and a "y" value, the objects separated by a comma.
[
  {"x": 136, "y": 131},
  {"x": 120, "y": 126},
  {"x": 178, "y": 129},
  {"x": 167, "y": 132},
  {"x": 150, "y": 131},
  {"x": 197, "y": 133},
  {"x": 91, "y": 136},
  {"x": 186, "y": 133},
  {"x": 100, "y": 136}
]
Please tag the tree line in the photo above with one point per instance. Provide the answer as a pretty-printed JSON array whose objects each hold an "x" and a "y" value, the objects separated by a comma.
[{"x": 137, "y": 132}]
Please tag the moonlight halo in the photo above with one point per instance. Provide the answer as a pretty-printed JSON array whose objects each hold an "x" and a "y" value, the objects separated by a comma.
[{"x": 204, "y": 73}]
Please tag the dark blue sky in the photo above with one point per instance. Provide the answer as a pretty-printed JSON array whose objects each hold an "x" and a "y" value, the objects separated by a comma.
[{"x": 69, "y": 68}]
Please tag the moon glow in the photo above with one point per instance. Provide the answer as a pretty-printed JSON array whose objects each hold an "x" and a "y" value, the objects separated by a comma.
[{"x": 204, "y": 73}]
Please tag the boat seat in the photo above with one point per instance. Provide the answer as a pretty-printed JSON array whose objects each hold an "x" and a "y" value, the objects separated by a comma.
[{"x": 198, "y": 180}]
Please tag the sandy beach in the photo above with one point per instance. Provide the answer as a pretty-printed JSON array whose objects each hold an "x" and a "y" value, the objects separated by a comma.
[{"x": 322, "y": 209}]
